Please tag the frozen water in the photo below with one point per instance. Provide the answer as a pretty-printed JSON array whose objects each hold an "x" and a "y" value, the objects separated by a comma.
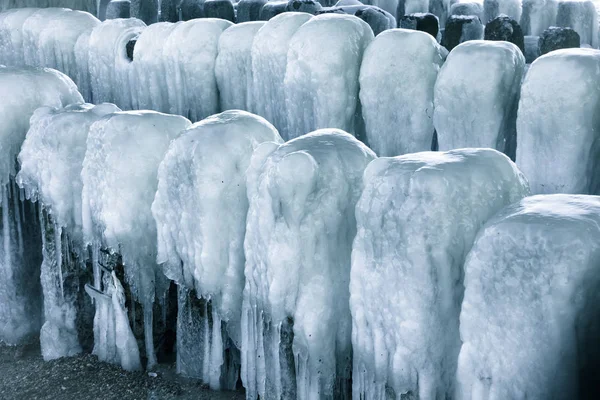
[
  {"x": 269, "y": 61},
  {"x": 538, "y": 15},
  {"x": 494, "y": 8},
  {"x": 120, "y": 180},
  {"x": 529, "y": 320},
  {"x": 558, "y": 125},
  {"x": 83, "y": 5},
  {"x": 467, "y": 8},
  {"x": 299, "y": 232},
  {"x": 318, "y": 94},
  {"x": 397, "y": 78},
  {"x": 406, "y": 7},
  {"x": 417, "y": 218},
  {"x": 200, "y": 211},
  {"x": 233, "y": 67},
  {"x": 389, "y": 6},
  {"x": 477, "y": 94},
  {"x": 582, "y": 17},
  {"x": 11, "y": 36}
]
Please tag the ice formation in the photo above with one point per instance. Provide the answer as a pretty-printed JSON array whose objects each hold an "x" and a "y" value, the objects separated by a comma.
[
  {"x": 581, "y": 15},
  {"x": 538, "y": 15},
  {"x": 477, "y": 94},
  {"x": 83, "y": 5},
  {"x": 299, "y": 232},
  {"x": 494, "y": 8},
  {"x": 397, "y": 78},
  {"x": 529, "y": 320},
  {"x": 120, "y": 180},
  {"x": 321, "y": 79},
  {"x": 406, "y": 7},
  {"x": 389, "y": 6},
  {"x": 233, "y": 67},
  {"x": 558, "y": 123},
  {"x": 51, "y": 160},
  {"x": 416, "y": 219},
  {"x": 25, "y": 89},
  {"x": 269, "y": 61},
  {"x": 200, "y": 211}
]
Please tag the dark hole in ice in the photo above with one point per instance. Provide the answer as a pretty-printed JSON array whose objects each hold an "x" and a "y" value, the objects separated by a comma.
[{"x": 129, "y": 48}]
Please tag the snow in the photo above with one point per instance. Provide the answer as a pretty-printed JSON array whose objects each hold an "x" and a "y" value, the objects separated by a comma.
[
  {"x": 397, "y": 78},
  {"x": 538, "y": 15},
  {"x": 557, "y": 123},
  {"x": 582, "y": 16},
  {"x": 120, "y": 180},
  {"x": 529, "y": 317},
  {"x": 318, "y": 94},
  {"x": 417, "y": 218},
  {"x": 269, "y": 62},
  {"x": 299, "y": 232},
  {"x": 200, "y": 211},
  {"x": 476, "y": 96},
  {"x": 233, "y": 67}
]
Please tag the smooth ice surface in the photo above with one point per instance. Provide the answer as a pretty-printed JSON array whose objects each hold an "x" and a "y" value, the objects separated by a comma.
[
  {"x": 416, "y": 219},
  {"x": 299, "y": 232},
  {"x": 582, "y": 16},
  {"x": 397, "y": 78},
  {"x": 200, "y": 211},
  {"x": 476, "y": 96},
  {"x": 529, "y": 320},
  {"x": 321, "y": 79},
  {"x": 558, "y": 123},
  {"x": 537, "y": 16},
  {"x": 233, "y": 67},
  {"x": 269, "y": 62}
]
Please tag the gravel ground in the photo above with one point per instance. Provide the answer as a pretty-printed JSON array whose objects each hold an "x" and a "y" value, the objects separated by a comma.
[{"x": 25, "y": 375}]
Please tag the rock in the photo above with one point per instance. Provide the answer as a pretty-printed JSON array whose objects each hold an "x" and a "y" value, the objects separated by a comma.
[
  {"x": 271, "y": 9},
  {"x": 461, "y": 28},
  {"x": 532, "y": 48},
  {"x": 425, "y": 22},
  {"x": 190, "y": 9},
  {"x": 555, "y": 38},
  {"x": 376, "y": 18},
  {"x": 118, "y": 9},
  {"x": 505, "y": 28},
  {"x": 308, "y": 6},
  {"x": 219, "y": 9},
  {"x": 249, "y": 10},
  {"x": 146, "y": 10}
]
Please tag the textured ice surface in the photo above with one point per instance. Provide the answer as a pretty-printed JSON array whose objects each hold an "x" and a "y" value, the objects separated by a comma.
[
  {"x": 200, "y": 211},
  {"x": 558, "y": 123},
  {"x": 321, "y": 79},
  {"x": 269, "y": 61},
  {"x": 476, "y": 96},
  {"x": 299, "y": 232},
  {"x": 83, "y": 5},
  {"x": 397, "y": 78},
  {"x": 119, "y": 177},
  {"x": 529, "y": 320},
  {"x": 493, "y": 8},
  {"x": 538, "y": 15},
  {"x": 233, "y": 67},
  {"x": 416, "y": 220},
  {"x": 582, "y": 16}
]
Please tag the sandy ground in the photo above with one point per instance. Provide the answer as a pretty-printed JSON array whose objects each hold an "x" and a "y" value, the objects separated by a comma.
[{"x": 25, "y": 375}]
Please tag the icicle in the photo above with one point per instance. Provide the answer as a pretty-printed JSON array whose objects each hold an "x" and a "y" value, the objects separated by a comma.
[
  {"x": 216, "y": 359},
  {"x": 8, "y": 273},
  {"x": 18, "y": 218},
  {"x": 148, "y": 338}
]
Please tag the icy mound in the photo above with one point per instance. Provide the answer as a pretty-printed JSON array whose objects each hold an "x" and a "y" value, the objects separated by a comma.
[
  {"x": 476, "y": 96},
  {"x": 559, "y": 123},
  {"x": 417, "y": 218},
  {"x": 119, "y": 183},
  {"x": 111, "y": 72},
  {"x": 299, "y": 232},
  {"x": 321, "y": 79},
  {"x": 24, "y": 90},
  {"x": 269, "y": 61},
  {"x": 83, "y": 5},
  {"x": 397, "y": 78},
  {"x": 529, "y": 320},
  {"x": 189, "y": 65},
  {"x": 200, "y": 211},
  {"x": 233, "y": 67},
  {"x": 538, "y": 15}
]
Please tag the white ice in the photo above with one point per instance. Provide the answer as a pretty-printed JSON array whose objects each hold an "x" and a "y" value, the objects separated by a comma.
[
  {"x": 269, "y": 62},
  {"x": 83, "y": 5},
  {"x": 557, "y": 125},
  {"x": 233, "y": 67},
  {"x": 200, "y": 211},
  {"x": 321, "y": 79},
  {"x": 529, "y": 320},
  {"x": 120, "y": 180},
  {"x": 415, "y": 6},
  {"x": 582, "y": 16},
  {"x": 397, "y": 78},
  {"x": 299, "y": 232},
  {"x": 416, "y": 219},
  {"x": 476, "y": 96},
  {"x": 538, "y": 15}
]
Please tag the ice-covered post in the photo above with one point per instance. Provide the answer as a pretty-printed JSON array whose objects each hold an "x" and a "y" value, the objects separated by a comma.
[
  {"x": 529, "y": 320},
  {"x": 299, "y": 232},
  {"x": 269, "y": 63},
  {"x": 558, "y": 123},
  {"x": 397, "y": 77},
  {"x": 416, "y": 219},
  {"x": 24, "y": 90},
  {"x": 321, "y": 78},
  {"x": 581, "y": 15},
  {"x": 476, "y": 96},
  {"x": 200, "y": 211},
  {"x": 119, "y": 183}
]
